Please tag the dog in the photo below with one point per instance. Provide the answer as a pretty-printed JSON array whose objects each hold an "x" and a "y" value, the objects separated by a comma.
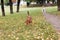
[{"x": 29, "y": 19}]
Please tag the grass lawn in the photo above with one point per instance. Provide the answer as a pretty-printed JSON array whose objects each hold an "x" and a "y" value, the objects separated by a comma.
[
  {"x": 12, "y": 27},
  {"x": 53, "y": 10}
]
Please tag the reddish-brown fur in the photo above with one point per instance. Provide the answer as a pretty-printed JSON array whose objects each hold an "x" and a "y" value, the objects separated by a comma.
[{"x": 29, "y": 19}]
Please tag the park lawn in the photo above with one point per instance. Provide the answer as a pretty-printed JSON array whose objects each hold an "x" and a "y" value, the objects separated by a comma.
[
  {"x": 12, "y": 27},
  {"x": 53, "y": 10}
]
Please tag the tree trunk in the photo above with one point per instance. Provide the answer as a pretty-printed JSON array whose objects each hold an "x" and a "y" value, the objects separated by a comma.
[
  {"x": 18, "y": 3},
  {"x": 2, "y": 7},
  {"x": 11, "y": 6},
  {"x": 58, "y": 4}
]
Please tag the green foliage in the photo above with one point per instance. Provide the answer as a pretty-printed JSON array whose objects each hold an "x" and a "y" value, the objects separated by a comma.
[
  {"x": 6, "y": 1},
  {"x": 27, "y": 0}
]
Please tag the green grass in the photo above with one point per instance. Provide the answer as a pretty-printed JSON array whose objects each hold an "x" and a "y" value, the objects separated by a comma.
[
  {"x": 12, "y": 27},
  {"x": 53, "y": 10}
]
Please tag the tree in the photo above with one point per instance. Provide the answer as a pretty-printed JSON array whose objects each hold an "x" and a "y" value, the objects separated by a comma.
[
  {"x": 2, "y": 7},
  {"x": 11, "y": 6},
  {"x": 18, "y": 3},
  {"x": 58, "y": 4}
]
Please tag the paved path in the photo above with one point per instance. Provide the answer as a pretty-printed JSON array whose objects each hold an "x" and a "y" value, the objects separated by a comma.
[{"x": 54, "y": 20}]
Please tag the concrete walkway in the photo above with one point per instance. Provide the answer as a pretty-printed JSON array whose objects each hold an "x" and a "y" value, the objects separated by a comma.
[{"x": 54, "y": 20}]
